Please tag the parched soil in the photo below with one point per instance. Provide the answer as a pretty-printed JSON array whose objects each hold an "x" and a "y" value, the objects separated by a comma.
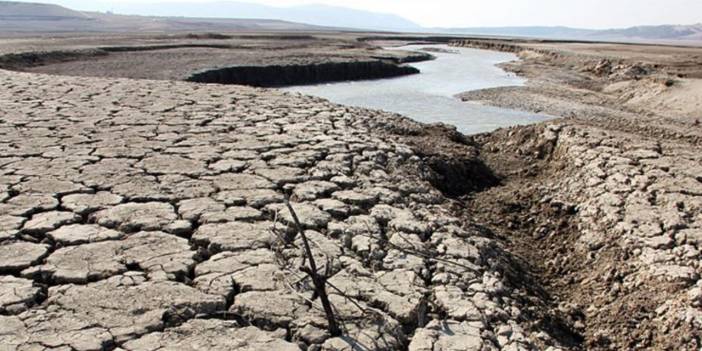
[
  {"x": 145, "y": 214},
  {"x": 591, "y": 268},
  {"x": 649, "y": 90},
  {"x": 150, "y": 214}
]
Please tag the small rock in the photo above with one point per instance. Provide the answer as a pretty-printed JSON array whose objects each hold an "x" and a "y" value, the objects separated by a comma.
[
  {"x": 152, "y": 252},
  {"x": 171, "y": 164},
  {"x": 232, "y": 181},
  {"x": 309, "y": 215},
  {"x": 355, "y": 198},
  {"x": 234, "y": 236},
  {"x": 232, "y": 214},
  {"x": 192, "y": 209},
  {"x": 336, "y": 208},
  {"x": 256, "y": 198},
  {"x": 313, "y": 190},
  {"x": 212, "y": 334},
  {"x": 17, "y": 295},
  {"x": 228, "y": 165},
  {"x": 131, "y": 217}
]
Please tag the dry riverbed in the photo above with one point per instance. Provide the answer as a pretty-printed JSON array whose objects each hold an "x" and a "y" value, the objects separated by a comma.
[{"x": 148, "y": 214}]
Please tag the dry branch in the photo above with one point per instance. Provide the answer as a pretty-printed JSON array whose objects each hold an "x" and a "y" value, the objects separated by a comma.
[{"x": 318, "y": 280}]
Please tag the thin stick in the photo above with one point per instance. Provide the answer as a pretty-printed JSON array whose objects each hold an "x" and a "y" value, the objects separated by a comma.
[{"x": 319, "y": 281}]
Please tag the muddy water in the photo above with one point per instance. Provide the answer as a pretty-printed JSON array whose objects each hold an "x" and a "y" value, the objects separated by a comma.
[{"x": 429, "y": 96}]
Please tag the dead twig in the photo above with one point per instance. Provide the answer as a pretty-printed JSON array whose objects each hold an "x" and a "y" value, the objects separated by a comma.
[{"x": 318, "y": 280}]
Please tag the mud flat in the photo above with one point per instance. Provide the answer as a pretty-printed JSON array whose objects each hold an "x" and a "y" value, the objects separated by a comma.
[
  {"x": 263, "y": 60},
  {"x": 143, "y": 214}
]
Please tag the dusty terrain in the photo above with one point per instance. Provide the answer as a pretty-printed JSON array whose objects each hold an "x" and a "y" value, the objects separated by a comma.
[
  {"x": 148, "y": 214},
  {"x": 653, "y": 90}
]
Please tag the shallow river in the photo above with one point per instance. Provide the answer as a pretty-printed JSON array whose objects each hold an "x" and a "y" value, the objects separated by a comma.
[{"x": 429, "y": 96}]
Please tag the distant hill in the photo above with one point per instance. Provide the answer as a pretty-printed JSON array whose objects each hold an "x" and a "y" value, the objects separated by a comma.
[
  {"x": 531, "y": 32},
  {"x": 19, "y": 11},
  {"x": 641, "y": 33},
  {"x": 321, "y": 15},
  {"x": 666, "y": 32},
  {"x": 20, "y": 17},
  {"x": 230, "y": 15}
]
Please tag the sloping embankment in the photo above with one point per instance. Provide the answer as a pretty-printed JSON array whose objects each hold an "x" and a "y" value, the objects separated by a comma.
[
  {"x": 285, "y": 75},
  {"x": 604, "y": 206},
  {"x": 260, "y": 74},
  {"x": 609, "y": 223}
]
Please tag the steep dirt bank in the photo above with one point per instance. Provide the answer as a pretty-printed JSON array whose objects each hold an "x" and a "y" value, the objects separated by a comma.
[
  {"x": 286, "y": 75},
  {"x": 604, "y": 205},
  {"x": 610, "y": 225},
  {"x": 26, "y": 60},
  {"x": 22, "y": 61}
]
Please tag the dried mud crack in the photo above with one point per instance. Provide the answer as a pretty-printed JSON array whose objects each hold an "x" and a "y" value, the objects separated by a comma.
[
  {"x": 149, "y": 214},
  {"x": 599, "y": 225}
]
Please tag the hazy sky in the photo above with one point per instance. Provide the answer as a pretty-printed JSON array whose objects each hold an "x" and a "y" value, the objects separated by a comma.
[{"x": 474, "y": 13}]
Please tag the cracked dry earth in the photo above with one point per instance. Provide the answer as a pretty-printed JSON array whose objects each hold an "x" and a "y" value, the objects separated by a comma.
[
  {"x": 144, "y": 215},
  {"x": 611, "y": 222},
  {"x": 639, "y": 203}
]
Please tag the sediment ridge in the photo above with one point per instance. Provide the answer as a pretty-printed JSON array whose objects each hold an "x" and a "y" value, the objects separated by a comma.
[
  {"x": 264, "y": 73},
  {"x": 24, "y": 60},
  {"x": 21, "y": 61}
]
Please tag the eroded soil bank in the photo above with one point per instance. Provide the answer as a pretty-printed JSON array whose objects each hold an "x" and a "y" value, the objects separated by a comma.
[
  {"x": 286, "y": 75},
  {"x": 605, "y": 205},
  {"x": 254, "y": 60}
]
